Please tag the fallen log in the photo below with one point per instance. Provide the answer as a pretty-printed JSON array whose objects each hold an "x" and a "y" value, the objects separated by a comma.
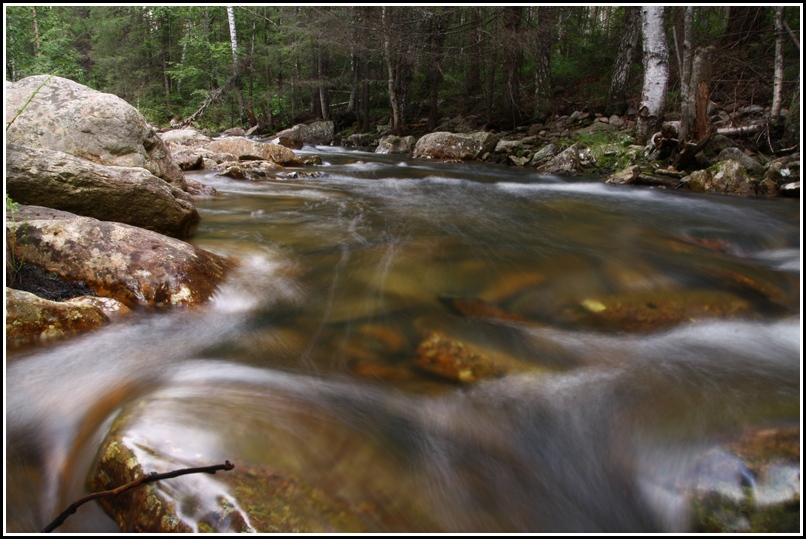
[{"x": 739, "y": 131}]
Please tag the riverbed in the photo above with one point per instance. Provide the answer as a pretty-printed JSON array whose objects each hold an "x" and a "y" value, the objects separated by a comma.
[{"x": 620, "y": 335}]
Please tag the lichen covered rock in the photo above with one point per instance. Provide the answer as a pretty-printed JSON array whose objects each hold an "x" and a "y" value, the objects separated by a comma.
[
  {"x": 31, "y": 319},
  {"x": 444, "y": 145},
  {"x": 135, "y": 266}
]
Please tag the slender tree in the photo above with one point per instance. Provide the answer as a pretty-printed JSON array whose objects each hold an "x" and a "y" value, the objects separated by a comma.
[
  {"x": 513, "y": 58},
  {"x": 544, "y": 42},
  {"x": 686, "y": 92},
  {"x": 778, "y": 78}
]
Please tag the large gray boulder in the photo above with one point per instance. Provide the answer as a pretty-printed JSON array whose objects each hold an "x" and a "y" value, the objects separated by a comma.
[
  {"x": 392, "y": 144},
  {"x": 316, "y": 133},
  {"x": 246, "y": 149},
  {"x": 187, "y": 137},
  {"x": 58, "y": 114},
  {"x": 134, "y": 266},
  {"x": 445, "y": 145},
  {"x": 130, "y": 195},
  {"x": 566, "y": 163}
]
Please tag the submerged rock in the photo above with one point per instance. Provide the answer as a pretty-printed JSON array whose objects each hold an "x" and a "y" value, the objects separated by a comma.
[
  {"x": 652, "y": 310},
  {"x": 297, "y": 469},
  {"x": 455, "y": 360},
  {"x": 749, "y": 485},
  {"x": 250, "y": 499},
  {"x": 478, "y": 308}
]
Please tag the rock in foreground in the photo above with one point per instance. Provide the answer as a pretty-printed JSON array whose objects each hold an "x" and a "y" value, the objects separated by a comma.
[
  {"x": 66, "y": 116},
  {"x": 30, "y": 318},
  {"x": 135, "y": 266},
  {"x": 130, "y": 195}
]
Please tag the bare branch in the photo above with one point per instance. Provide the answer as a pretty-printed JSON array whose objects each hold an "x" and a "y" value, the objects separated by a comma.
[{"x": 150, "y": 478}]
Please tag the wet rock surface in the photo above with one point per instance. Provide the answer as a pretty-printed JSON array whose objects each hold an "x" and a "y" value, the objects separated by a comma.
[
  {"x": 750, "y": 484},
  {"x": 245, "y": 149},
  {"x": 455, "y": 360},
  {"x": 31, "y": 319},
  {"x": 132, "y": 265}
]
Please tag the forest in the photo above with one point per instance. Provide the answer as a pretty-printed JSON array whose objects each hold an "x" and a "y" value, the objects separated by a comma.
[{"x": 408, "y": 67}]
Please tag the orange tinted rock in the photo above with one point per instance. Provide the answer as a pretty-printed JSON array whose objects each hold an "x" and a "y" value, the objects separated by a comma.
[
  {"x": 30, "y": 318},
  {"x": 454, "y": 360}
]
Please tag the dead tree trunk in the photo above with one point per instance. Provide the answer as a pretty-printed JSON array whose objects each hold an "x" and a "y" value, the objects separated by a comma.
[
  {"x": 701, "y": 90},
  {"x": 214, "y": 96}
]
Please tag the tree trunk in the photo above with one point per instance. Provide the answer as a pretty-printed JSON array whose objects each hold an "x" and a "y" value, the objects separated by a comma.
[
  {"x": 656, "y": 73},
  {"x": 366, "y": 97},
  {"x": 233, "y": 36},
  {"x": 236, "y": 68},
  {"x": 685, "y": 76},
  {"x": 474, "y": 69},
  {"x": 491, "y": 86},
  {"x": 324, "y": 90},
  {"x": 744, "y": 23},
  {"x": 778, "y": 78},
  {"x": 512, "y": 64},
  {"x": 700, "y": 89},
  {"x": 792, "y": 123},
  {"x": 543, "y": 96},
  {"x": 617, "y": 103},
  {"x": 435, "y": 67},
  {"x": 390, "y": 71},
  {"x": 355, "y": 65}
]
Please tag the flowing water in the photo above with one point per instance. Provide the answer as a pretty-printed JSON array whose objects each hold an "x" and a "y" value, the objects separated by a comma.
[{"x": 304, "y": 363}]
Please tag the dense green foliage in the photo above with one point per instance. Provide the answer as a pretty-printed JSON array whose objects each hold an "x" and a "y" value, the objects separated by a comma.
[{"x": 295, "y": 63}]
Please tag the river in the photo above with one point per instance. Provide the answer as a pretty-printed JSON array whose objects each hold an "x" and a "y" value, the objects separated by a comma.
[{"x": 305, "y": 361}]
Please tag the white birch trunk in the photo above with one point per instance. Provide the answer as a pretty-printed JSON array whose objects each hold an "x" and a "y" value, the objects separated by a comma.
[
  {"x": 778, "y": 78},
  {"x": 233, "y": 36},
  {"x": 656, "y": 72}
]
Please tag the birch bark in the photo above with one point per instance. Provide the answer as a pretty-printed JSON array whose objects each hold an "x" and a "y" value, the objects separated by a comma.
[{"x": 656, "y": 73}]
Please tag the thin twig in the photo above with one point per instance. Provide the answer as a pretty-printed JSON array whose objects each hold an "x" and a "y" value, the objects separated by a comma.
[
  {"x": 14, "y": 119},
  {"x": 150, "y": 478}
]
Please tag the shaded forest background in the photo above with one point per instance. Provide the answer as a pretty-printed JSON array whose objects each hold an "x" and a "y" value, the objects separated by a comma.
[{"x": 278, "y": 65}]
